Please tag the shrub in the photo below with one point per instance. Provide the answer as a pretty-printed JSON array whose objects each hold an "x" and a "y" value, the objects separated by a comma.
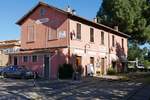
[
  {"x": 65, "y": 71},
  {"x": 111, "y": 71},
  {"x": 146, "y": 64}
]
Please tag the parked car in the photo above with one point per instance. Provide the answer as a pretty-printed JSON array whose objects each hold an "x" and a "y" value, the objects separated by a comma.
[
  {"x": 140, "y": 67},
  {"x": 1, "y": 70},
  {"x": 17, "y": 72}
]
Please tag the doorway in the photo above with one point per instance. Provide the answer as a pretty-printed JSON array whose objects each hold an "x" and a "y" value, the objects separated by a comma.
[
  {"x": 46, "y": 67},
  {"x": 102, "y": 65},
  {"x": 15, "y": 60}
]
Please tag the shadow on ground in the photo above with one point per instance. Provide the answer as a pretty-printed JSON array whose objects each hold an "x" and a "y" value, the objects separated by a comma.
[{"x": 88, "y": 88}]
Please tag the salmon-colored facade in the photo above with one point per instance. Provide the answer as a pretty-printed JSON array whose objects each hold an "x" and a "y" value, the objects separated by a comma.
[{"x": 51, "y": 37}]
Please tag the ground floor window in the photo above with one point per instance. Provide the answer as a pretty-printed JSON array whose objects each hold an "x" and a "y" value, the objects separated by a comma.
[
  {"x": 25, "y": 58},
  {"x": 34, "y": 58}
]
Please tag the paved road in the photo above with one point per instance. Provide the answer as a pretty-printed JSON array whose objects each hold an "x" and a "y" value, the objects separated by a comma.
[{"x": 87, "y": 89}]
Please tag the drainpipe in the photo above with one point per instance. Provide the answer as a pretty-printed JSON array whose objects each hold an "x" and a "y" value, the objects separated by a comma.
[
  {"x": 108, "y": 50},
  {"x": 68, "y": 39}
]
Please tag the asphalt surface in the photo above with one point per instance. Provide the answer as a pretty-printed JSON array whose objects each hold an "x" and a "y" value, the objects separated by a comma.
[{"x": 86, "y": 89}]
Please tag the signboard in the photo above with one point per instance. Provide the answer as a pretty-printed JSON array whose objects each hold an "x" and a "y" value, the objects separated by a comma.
[{"x": 43, "y": 20}]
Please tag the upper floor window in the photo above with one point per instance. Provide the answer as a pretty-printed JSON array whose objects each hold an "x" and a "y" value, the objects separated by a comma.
[
  {"x": 42, "y": 12},
  {"x": 78, "y": 31},
  {"x": 30, "y": 33},
  {"x": 113, "y": 40},
  {"x": 34, "y": 58},
  {"x": 91, "y": 35},
  {"x": 25, "y": 58},
  {"x": 102, "y": 38},
  {"x": 122, "y": 42},
  {"x": 52, "y": 34}
]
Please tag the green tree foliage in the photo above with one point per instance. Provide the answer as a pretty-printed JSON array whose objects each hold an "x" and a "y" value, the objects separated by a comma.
[
  {"x": 134, "y": 52},
  {"x": 131, "y": 16}
]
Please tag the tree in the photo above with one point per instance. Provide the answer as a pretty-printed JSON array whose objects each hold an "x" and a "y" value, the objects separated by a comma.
[
  {"x": 131, "y": 16},
  {"x": 135, "y": 52}
]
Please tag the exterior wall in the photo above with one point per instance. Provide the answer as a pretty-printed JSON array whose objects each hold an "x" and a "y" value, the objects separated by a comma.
[
  {"x": 57, "y": 21},
  {"x": 83, "y": 47},
  {"x": 55, "y": 59},
  {"x": 118, "y": 42},
  {"x": 118, "y": 51},
  {"x": 95, "y": 49},
  {"x": 4, "y": 59}
]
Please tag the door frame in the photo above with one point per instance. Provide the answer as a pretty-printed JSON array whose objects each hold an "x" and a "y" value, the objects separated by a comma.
[
  {"x": 15, "y": 58},
  {"x": 103, "y": 67},
  {"x": 49, "y": 72}
]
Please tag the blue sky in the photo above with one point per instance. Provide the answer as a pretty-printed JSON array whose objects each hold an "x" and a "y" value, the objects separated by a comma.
[{"x": 13, "y": 10}]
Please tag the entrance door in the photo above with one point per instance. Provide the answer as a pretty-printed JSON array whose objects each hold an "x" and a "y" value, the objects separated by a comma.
[
  {"x": 46, "y": 67},
  {"x": 15, "y": 60},
  {"x": 78, "y": 60},
  {"x": 102, "y": 65}
]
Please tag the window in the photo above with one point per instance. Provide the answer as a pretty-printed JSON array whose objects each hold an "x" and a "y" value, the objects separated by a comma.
[
  {"x": 113, "y": 40},
  {"x": 102, "y": 38},
  {"x": 30, "y": 33},
  {"x": 34, "y": 58},
  {"x": 122, "y": 42},
  {"x": 25, "y": 58},
  {"x": 92, "y": 60},
  {"x": 91, "y": 35},
  {"x": 78, "y": 31},
  {"x": 42, "y": 12},
  {"x": 52, "y": 34}
]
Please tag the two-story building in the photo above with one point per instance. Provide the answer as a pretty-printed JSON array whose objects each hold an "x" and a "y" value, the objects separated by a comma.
[
  {"x": 51, "y": 36},
  {"x": 6, "y": 48}
]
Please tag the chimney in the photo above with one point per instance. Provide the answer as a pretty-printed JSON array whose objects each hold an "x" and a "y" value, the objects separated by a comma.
[
  {"x": 74, "y": 12},
  {"x": 95, "y": 20},
  {"x": 68, "y": 9},
  {"x": 116, "y": 28}
]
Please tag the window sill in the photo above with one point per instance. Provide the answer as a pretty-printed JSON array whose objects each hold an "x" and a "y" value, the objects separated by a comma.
[
  {"x": 77, "y": 40},
  {"x": 30, "y": 42},
  {"x": 92, "y": 42},
  {"x": 102, "y": 44},
  {"x": 52, "y": 39}
]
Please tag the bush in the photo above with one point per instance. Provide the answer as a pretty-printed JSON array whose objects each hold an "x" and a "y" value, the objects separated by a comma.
[
  {"x": 111, "y": 71},
  {"x": 65, "y": 71},
  {"x": 146, "y": 64}
]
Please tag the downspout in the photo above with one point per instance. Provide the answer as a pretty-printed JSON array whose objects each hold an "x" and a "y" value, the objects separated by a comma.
[
  {"x": 108, "y": 50},
  {"x": 68, "y": 39}
]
